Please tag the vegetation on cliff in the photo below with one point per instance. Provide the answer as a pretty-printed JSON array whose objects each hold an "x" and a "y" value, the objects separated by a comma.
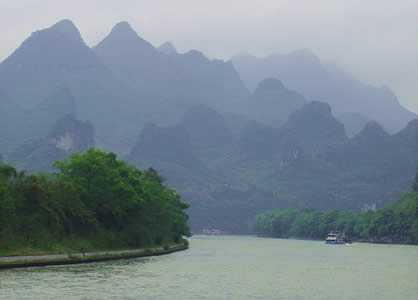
[{"x": 94, "y": 201}]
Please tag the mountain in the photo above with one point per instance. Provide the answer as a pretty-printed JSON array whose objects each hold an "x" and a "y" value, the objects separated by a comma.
[
  {"x": 188, "y": 79},
  {"x": 271, "y": 103},
  {"x": 226, "y": 175},
  {"x": 257, "y": 142},
  {"x": 118, "y": 84},
  {"x": 57, "y": 57},
  {"x": 313, "y": 127},
  {"x": 10, "y": 114},
  {"x": 229, "y": 152},
  {"x": 129, "y": 56},
  {"x": 45, "y": 60},
  {"x": 67, "y": 136},
  {"x": 297, "y": 66},
  {"x": 353, "y": 122},
  {"x": 169, "y": 150},
  {"x": 163, "y": 144},
  {"x": 367, "y": 152},
  {"x": 206, "y": 127},
  {"x": 56, "y": 106},
  {"x": 308, "y": 162},
  {"x": 408, "y": 137},
  {"x": 168, "y": 48},
  {"x": 178, "y": 154},
  {"x": 303, "y": 71},
  {"x": 19, "y": 125}
]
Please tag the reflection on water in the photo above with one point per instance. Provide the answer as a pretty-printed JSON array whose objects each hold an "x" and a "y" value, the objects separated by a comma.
[{"x": 232, "y": 267}]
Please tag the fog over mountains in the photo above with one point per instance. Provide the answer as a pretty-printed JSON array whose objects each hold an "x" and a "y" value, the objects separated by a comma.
[
  {"x": 303, "y": 72},
  {"x": 234, "y": 137}
]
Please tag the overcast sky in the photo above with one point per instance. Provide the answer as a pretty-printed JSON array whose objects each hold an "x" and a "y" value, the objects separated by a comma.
[{"x": 376, "y": 40}]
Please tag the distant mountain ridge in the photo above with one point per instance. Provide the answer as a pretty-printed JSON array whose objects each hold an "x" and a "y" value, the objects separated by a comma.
[
  {"x": 304, "y": 72},
  {"x": 167, "y": 48},
  {"x": 188, "y": 79},
  {"x": 271, "y": 103},
  {"x": 307, "y": 136},
  {"x": 309, "y": 162},
  {"x": 120, "y": 79},
  {"x": 58, "y": 57},
  {"x": 46, "y": 59}
]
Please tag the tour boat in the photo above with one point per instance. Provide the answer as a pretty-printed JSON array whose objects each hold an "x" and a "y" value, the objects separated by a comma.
[{"x": 335, "y": 238}]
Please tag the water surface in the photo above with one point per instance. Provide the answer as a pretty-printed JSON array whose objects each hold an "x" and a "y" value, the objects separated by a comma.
[{"x": 232, "y": 267}]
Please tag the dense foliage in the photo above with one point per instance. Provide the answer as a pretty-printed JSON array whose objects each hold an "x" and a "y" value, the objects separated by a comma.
[
  {"x": 395, "y": 223},
  {"x": 93, "y": 201}
]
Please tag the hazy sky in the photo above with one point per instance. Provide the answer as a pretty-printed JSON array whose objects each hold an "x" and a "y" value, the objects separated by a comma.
[{"x": 376, "y": 40}]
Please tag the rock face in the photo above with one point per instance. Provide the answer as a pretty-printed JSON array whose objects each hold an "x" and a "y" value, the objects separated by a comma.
[
  {"x": 68, "y": 136},
  {"x": 303, "y": 72},
  {"x": 71, "y": 135}
]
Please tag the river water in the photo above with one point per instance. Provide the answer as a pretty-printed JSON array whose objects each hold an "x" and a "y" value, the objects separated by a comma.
[{"x": 232, "y": 267}]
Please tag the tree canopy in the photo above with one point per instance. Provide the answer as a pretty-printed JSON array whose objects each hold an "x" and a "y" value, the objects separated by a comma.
[{"x": 94, "y": 200}]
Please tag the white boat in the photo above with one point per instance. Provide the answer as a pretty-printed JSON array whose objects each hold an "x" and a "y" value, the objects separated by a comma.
[{"x": 335, "y": 238}]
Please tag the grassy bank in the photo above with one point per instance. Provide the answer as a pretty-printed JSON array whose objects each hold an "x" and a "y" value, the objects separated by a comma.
[
  {"x": 98, "y": 243},
  {"x": 49, "y": 259}
]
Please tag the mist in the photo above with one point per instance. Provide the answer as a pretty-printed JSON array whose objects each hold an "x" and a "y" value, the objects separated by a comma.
[
  {"x": 374, "y": 40},
  {"x": 275, "y": 141}
]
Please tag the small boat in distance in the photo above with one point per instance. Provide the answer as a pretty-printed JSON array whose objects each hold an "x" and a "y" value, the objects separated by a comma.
[
  {"x": 212, "y": 232},
  {"x": 336, "y": 238}
]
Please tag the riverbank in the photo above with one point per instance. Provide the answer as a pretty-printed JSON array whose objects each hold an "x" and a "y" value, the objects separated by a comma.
[
  {"x": 10, "y": 262},
  {"x": 396, "y": 223},
  {"x": 363, "y": 241}
]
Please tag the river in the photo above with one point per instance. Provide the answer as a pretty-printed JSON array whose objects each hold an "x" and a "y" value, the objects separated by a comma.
[{"x": 232, "y": 267}]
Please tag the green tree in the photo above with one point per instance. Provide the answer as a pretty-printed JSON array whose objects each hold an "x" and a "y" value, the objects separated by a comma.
[{"x": 94, "y": 200}]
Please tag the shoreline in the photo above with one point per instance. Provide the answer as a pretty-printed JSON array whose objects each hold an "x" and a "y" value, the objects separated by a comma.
[
  {"x": 372, "y": 242},
  {"x": 12, "y": 262}
]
